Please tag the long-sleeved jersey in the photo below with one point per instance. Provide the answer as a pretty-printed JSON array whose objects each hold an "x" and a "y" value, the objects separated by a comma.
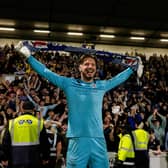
[{"x": 84, "y": 99}]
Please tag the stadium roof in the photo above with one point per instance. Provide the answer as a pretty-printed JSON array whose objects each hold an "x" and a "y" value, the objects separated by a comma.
[{"x": 121, "y": 19}]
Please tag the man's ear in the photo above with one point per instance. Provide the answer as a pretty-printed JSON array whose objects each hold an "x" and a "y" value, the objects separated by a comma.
[{"x": 80, "y": 68}]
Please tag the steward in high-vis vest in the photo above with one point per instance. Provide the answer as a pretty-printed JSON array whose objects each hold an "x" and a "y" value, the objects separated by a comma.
[
  {"x": 26, "y": 142},
  {"x": 126, "y": 155},
  {"x": 141, "y": 140}
]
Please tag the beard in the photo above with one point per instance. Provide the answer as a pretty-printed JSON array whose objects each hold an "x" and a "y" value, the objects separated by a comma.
[{"x": 88, "y": 77}]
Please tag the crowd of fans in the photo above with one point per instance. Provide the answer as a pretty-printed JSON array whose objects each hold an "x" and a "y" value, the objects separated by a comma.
[{"x": 144, "y": 100}]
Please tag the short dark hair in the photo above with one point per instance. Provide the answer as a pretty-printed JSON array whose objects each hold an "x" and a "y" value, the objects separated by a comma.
[
  {"x": 65, "y": 121},
  {"x": 151, "y": 131},
  {"x": 83, "y": 57},
  {"x": 3, "y": 156},
  {"x": 157, "y": 118},
  {"x": 138, "y": 122},
  {"x": 27, "y": 105}
]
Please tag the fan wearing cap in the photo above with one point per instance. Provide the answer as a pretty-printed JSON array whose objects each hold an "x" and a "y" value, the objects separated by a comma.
[{"x": 25, "y": 142}]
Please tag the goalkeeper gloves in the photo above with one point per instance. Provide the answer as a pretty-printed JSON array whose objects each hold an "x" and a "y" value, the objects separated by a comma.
[
  {"x": 23, "y": 50},
  {"x": 137, "y": 66}
]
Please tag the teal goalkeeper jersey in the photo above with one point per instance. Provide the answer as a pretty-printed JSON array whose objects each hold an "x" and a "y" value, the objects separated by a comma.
[{"x": 84, "y": 100}]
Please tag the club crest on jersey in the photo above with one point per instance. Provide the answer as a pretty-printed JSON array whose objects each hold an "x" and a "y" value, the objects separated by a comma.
[{"x": 94, "y": 85}]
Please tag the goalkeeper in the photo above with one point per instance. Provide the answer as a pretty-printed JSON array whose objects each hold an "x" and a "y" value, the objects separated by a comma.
[{"x": 87, "y": 145}]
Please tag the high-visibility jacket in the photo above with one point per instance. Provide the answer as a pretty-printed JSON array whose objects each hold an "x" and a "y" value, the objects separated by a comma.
[
  {"x": 25, "y": 133},
  {"x": 25, "y": 130},
  {"x": 126, "y": 149},
  {"x": 141, "y": 139}
]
